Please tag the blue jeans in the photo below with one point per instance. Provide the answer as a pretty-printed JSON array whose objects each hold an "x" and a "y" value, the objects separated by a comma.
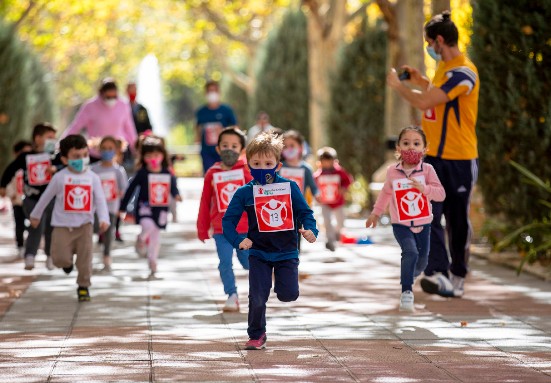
[
  {"x": 260, "y": 284},
  {"x": 225, "y": 254},
  {"x": 415, "y": 253}
]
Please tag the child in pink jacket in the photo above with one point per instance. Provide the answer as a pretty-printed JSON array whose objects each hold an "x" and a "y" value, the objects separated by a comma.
[{"x": 409, "y": 187}]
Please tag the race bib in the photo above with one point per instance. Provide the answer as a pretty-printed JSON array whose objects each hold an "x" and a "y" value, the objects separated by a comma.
[
  {"x": 109, "y": 185},
  {"x": 159, "y": 189},
  {"x": 411, "y": 203},
  {"x": 19, "y": 186},
  {"x": 77, "y": 194},
  {"x": 273, "y": 207},
  {"x": 212, "y": 131},
  {"x": 330, "y": 188},
  {"x": 225, "y": 186},
  {"x": 430, "y": 114},
  {"x": 294, "y": 174},
  {"x": 37, "y": 169}
]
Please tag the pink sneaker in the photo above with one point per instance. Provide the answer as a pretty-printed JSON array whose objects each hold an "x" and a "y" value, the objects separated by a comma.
[{"x": 256, "y": 344}]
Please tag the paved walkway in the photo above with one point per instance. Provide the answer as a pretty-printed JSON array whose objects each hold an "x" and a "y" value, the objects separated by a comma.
[{"x": 345, "y": 327}]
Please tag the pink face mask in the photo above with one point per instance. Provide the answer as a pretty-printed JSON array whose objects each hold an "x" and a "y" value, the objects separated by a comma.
[
  {"x": 411, "y": 156},
  {"x": 154, "y": 162}
]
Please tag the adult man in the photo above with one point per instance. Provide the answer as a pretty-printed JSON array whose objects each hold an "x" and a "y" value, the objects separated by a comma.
[
  {"x": 104, "y": 115},
  {"x": 139, "y": 112},
  {"x": 211, "y": 119},
  {"x": 450, "y": 105},
  {"x": 262, "y": 125}
]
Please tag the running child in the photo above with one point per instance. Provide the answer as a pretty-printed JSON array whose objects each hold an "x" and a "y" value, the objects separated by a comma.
[
  {"x": 221, "y": 182},
  {"x": 38, "y": 166},
  {"x": 409, "y": 187},
  {"x": 274, "y": 206},
  {"x": 295, "y": 168},
  {"x": 114, "y": 182},
  {"x": 333, "y": 181},
  {"x": 151, "y": 206},
  {"x": 78, "y": 194},
  {"x": 15, "y": 192}
]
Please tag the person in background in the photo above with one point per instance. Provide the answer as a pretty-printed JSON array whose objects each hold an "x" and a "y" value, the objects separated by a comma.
[
  {"x": 262, "y": 125},
  {"x": 210, "y": 120},
  {"x": 114, "y": 182},
  {"x": 15, "y": 192},
  {"x": 450, "y": 105},
  {"x": 38, "y": 166},
  {"x": 332, "y": 181},
  {"x": 104, "y": 115},
  {"x": 139, "y": 112}
]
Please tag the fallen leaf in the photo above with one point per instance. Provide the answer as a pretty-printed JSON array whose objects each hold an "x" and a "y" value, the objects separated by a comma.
[
  {"x": 464, "y": 323},
  {"x": 155, "y": 297}
]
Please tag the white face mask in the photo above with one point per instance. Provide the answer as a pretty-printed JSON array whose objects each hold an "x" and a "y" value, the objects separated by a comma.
[
  {"x": 49, "y": 145},
  {"x": 213, "y": 97},
  {"x": 111, "y": 102}
]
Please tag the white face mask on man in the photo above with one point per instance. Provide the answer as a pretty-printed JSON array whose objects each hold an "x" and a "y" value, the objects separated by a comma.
[
  {"x": 110, "y": 102},
  {"x": 213, "y": 97}
]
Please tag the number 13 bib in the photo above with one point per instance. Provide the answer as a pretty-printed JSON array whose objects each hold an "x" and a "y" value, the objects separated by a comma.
[
  {"x": 273, "y": 207},
  {"x": 410, "y": 202}
]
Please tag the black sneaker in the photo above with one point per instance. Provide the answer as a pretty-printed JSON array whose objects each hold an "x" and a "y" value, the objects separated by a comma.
[
  {"x": 68, "y": 269},
  {"x": 83, "y": 294},
  {"x": 118, "y": 237}
]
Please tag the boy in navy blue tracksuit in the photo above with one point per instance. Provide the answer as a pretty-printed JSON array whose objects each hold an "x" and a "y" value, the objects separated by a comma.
[{"x": 274, "y": 206}]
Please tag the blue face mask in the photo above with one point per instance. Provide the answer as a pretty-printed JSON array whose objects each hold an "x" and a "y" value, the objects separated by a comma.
[
  {"x": 264, "y": 176},
  {"x": 432, "y": 53},
  {"x": 107, "y": 155},
  {"x": 79, "y": 165}
]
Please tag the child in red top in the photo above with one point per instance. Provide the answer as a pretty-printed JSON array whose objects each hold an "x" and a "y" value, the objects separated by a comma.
[
  {"x": 221, "y": 181},
  {"x": 332, "y": 181}
]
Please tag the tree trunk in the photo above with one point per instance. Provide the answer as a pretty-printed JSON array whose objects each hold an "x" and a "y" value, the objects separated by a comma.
[
  {"x": 405, "y": 46},
  {"x": 325, "y": 33},
  {"x": 439, "y": 6}
]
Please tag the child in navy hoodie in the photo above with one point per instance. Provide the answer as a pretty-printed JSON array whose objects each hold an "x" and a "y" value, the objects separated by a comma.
[{"x": 274, "y": 206}]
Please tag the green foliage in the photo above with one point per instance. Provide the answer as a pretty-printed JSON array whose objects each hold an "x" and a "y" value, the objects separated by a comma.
[
  {"x": 534, "y": 239},
  {"x": 512, "y": 50},
  {"x": 282, "y": 81},
  {"x": 25, "y": 98},
  {"x": 356, "y": 114}
]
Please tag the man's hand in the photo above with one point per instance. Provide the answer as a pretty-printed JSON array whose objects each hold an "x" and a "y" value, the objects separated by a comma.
[
  {"x": 2, "y": 192},
  {"x": 103, "y": 226},
  {"x": 35, "y": 222},
  {"x": 246, "y": 244},
  {"x": 372, "y": 221},
  {"x": 415, "y": 77},
  {"x": 308, "y": 235},
  {"x": 178, "y": 198},
  {"x": 392, "y": 79}
]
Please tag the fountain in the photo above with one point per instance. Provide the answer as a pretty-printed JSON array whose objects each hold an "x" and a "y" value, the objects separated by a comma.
[{"x": 150, "y": 93}]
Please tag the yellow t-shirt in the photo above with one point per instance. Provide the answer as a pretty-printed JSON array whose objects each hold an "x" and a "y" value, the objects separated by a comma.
[{"x": 450, "y": 127}]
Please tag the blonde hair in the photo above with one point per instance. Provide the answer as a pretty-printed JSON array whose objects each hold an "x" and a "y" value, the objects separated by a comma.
[{"x": 265, "y": 143}]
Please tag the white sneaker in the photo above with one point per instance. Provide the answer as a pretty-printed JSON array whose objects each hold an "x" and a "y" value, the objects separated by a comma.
[
  {"x": 437, "y": 284},
  {"x": 29, "y": 262},
  {"x": 458, "y": 285},
  {"x": 21, "y": 252},
  {"x": 141, "y": 247},
  {"x": 406, "y": 301},
  {"x": 50, "y": 263},
  {"x": 232, "y": 304}
]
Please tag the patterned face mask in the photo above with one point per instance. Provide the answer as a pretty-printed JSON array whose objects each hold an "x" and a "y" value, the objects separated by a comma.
[
  {"x": 229, "y": 157},
  {"x": 411, "y": 156}
]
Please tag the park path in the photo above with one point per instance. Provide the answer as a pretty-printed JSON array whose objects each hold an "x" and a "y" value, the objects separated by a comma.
[{"x": 345, "y": 327}]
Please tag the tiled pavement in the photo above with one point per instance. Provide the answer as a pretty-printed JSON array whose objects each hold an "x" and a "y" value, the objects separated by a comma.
[{"x": 345, "y": 327}]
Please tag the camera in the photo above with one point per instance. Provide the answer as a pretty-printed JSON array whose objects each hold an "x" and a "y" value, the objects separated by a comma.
[{"x": 404, "y": 75}]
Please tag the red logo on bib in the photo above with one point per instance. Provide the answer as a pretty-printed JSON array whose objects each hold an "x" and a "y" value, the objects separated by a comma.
[
  {"x": 225, "y": 186},
  {"x": 159, "y": 189},
  {"x": 77, "y": 198},
  {"x": 212, "y": 131},
  {"x": 273, "y": 207},
  {"x": 19, "y": 185},
  {"x": 330, "y": 188},
  {"x": 410, "y": 202},
  {"x": 430, "y": 114},
  {"x": 37, "y": 169},
  {"x": 109, "y": 189}
]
